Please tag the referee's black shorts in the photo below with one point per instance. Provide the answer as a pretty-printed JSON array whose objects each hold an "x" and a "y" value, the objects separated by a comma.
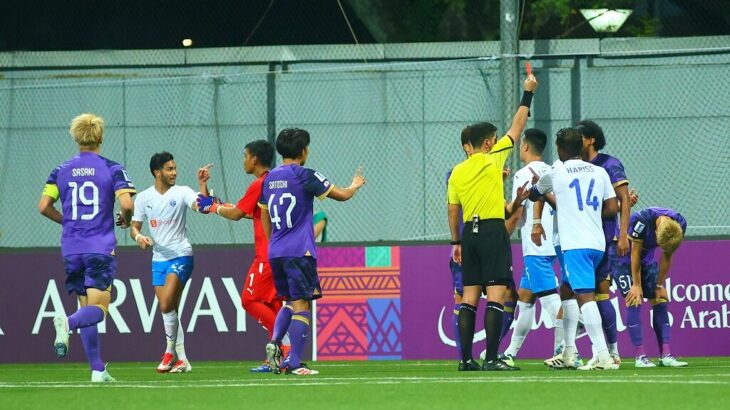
[{"x": 486, "y": 256}]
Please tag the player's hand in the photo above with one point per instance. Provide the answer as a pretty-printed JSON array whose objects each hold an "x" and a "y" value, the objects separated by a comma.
[
  {"x": 121, "y": 222},
  {"x": 456, "y": 253},
  {"x": 207, "y": 204},
  {"x": 506, "y": 172},
  {"x": 523, "y": 192},
  {"x": 535, "y": 176},
  {"x": 204, "y": 173},
  {"x": 358, "y": 180},
  {"x": 633, "y": 197},
  {"x": 623, "y": 245},
  {"x": 634, "y": 297},
  {"x": 538, "y": 234},
  {"x": 530, "y": 83},
  {"x": 144, "y": 242},
  {"x": 661, "y": 293}
]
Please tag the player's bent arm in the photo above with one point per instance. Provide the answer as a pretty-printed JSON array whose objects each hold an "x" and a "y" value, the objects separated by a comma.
[
  {"x": 511, "y": 222},
  {"x": 46, "y": 208},
  {"x": 266, "y": 222},
  {"x": 135, "y": 228},
  {"x": 636, "y": 247},
  {"x": 453, "y": 213},
  {"x": 232, "y": 213},
  {"x": 665, "y": 262},
  {"x": 342, "y": 194},
  {"x": 127, "y": 205},
  {"x": 610, "y": 208},
  {"x": 622, "y": 193}
]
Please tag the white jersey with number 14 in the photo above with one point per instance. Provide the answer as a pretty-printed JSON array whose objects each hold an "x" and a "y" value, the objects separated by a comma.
[{"x": 580, "y": 189}]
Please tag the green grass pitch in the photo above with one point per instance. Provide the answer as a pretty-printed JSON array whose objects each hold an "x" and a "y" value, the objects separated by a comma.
[{"x": 363, "y": 385}]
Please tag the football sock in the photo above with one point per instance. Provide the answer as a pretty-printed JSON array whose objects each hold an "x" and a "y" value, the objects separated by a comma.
[
  {"x": 661, "y": 327},
  {"x": 559, "y": 335},
  {"x": 180, "y": 342},
  {"x": 608, "y": 320},
  {"x": 455, "y": 326},
  {"x": 525, "y": 319},
  {"x": 90, "y": 340},
  {"x": 592, "y": 322},
  {"x": 263, "y": 314},
  {"x": 298, "y": 331},
  {"x": 507, "y": 318},
  {"x": 281, "y": 324},
  {"x": 570, "y": 322},
  {"x": 633, "y": 323},
  {"x": 467, "y": 317},
  {"x": 493, "y": 324},
  {"x": 172, "y": 325},
  {"x": 85, "y": 316}
]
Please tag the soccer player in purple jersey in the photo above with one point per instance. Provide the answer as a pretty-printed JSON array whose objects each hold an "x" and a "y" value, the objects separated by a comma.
[
  {"x": 87, "y": 185},
  {"x": 640, "y": 276},
  {"x": 286, "y": 201},
  {"x": 617, "y": 243}
]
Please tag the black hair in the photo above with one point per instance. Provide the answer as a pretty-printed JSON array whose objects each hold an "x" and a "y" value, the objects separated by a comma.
[
  {"x": 590, "y": 129},
  {"x": 479, "y": 132},
  {"x": 291, "y": 142},
  {"x": 536, "y": 139},
  {"x": 465, "y": 133},
  {"x": 262, "y": 150},
  {"x": 158, "y": 160},
  {"x": 570, "y": 141}
]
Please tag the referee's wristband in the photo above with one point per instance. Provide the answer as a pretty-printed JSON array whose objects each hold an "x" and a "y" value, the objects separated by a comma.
[
  {"x": 526, "y": 98},
  {"x": 455, "y": 242},
  {"x": 136, "y": 237},
  {"x": 537, "y": 221}
]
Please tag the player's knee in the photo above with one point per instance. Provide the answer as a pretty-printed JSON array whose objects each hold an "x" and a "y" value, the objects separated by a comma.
[
  {"x": 166, "y": 306},
  {"x": 600, "y": 297},
  {"x": 659, "y": 301}
]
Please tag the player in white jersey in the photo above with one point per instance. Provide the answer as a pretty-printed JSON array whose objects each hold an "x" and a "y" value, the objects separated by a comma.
[
  {"x": 583, "y": 194},
  {"x": 538, "y": 279},
  {"x": 164, "y": 205}
]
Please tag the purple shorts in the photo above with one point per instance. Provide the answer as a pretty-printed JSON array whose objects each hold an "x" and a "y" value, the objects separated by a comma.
[
  {"x": 296, "y": 278},
  {"x": 608, "y": 265},
  {"x": 89, "y": 270}
]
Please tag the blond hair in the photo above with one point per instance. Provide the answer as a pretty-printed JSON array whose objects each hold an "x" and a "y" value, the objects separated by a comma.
[
  {"x": 669, "y": 235},
  {"x": 87, "y": 130}
]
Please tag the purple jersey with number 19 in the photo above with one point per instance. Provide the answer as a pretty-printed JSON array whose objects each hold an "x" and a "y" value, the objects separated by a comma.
[
  {"x": 87, "y": 185},
  {"x": 288, "y": 193}
]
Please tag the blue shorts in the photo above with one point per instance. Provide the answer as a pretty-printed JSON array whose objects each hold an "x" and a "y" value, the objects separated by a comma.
[
  {"x": 296, "y": 278},
  {"x": 539, "y": 275},
  {"x": 561, "y": 262},
  {"x": 649, "y": 277},
  {"x": 181, "y": 266},
  {"x": 580, "y": 268},
  {"x": 89, "y": 270},
  {"x": 456, "y": 275},
  {"x": 608, "y": 263}
]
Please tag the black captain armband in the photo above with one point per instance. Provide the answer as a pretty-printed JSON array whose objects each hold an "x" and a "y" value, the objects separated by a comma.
[
  {"x": 526, "y": 98},
  {"x": 455, "y": 242}
]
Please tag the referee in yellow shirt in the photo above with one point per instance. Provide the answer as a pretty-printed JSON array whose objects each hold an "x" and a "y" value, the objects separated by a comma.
[{"x": 476, "y": 186}]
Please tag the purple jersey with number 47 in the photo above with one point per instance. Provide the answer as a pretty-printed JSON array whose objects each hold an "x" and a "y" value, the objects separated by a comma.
[
  {"x": 87, "y": 185},
  {"x": 288, "y": 193}
]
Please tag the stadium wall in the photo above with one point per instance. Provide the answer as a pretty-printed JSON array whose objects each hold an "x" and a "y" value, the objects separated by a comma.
[
  {"x": 380, "y": 303},
  {"x": 396, "y": 109}
]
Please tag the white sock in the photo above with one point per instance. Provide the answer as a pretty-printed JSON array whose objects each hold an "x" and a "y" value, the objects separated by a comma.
[
  {"x": 180, "y": 345},
  {"x": 523, "y": 325},
  {"x": 613, "y": 348},
  {"x": 592, "y": 322},
  {"x": 171, "y": 330},
  {"x": 570, "y": 322},
  {"x": 559, "y": 335}
]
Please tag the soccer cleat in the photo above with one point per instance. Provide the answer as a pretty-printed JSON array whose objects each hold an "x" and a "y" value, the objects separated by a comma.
[
  {"x": 670, "y": 361},
  {"x": 498, "y": 365},
  {"x": 166, "y": 363},
  {"x": 302, "y": 370},
  {"x": 470, "y": 366},
  {"x": 643, "y": 362},
  {"x": 264, "y": 368},
  {"x": 101, "y": 377},
  {"x": 507, "y": 358},
  {"x": 60, "y": 345},
  {"x": 616, "y": 359},
  {"x": 606, "y": 365},
  {"x": 556, "y": 360},
  {"x": 591, "y": 365},
  {"x": 273, "y": 356},
  {"x": 182, "y": 366}
]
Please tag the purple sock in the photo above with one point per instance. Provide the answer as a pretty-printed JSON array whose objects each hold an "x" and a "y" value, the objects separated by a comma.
[
  {"x": 661, "y": 328},
  {"x": 507, "y": 318},
  {"x": 281, "y": 324},
  {"x": 455, "y": 325},
  {"x": 298, "y": 332},
  {"x": 608, "y": 319},
  {"x": 86, "y": 316},
  {"x": 633, "y": 322},
  {"x": 90, "y": 339}
]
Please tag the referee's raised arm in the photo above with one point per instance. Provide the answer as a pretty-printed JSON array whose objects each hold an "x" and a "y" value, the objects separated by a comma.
[{"x": 520, "y": 119}]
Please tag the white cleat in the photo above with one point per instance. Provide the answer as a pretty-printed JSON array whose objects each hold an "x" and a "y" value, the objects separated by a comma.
[
  {"x": 670, "y": 361},
  {"x": 101, "y": 377},
  {"x": 182, "y": 366},
  {"x": 60, "y": 345},
  {"x": 591, "y": 365},
  {"x": 643, "y": 362},
  {"x": 166, "y": 363},
  {"x": 563, "y": 362},
  {"x": 607, "y": 365},
  {"x": 616, "y": 358}
]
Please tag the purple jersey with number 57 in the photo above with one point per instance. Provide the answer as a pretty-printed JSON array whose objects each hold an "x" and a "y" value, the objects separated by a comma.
[
  {"x": 288, "y": 193},
  {"x": 87, "y": 185}
]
